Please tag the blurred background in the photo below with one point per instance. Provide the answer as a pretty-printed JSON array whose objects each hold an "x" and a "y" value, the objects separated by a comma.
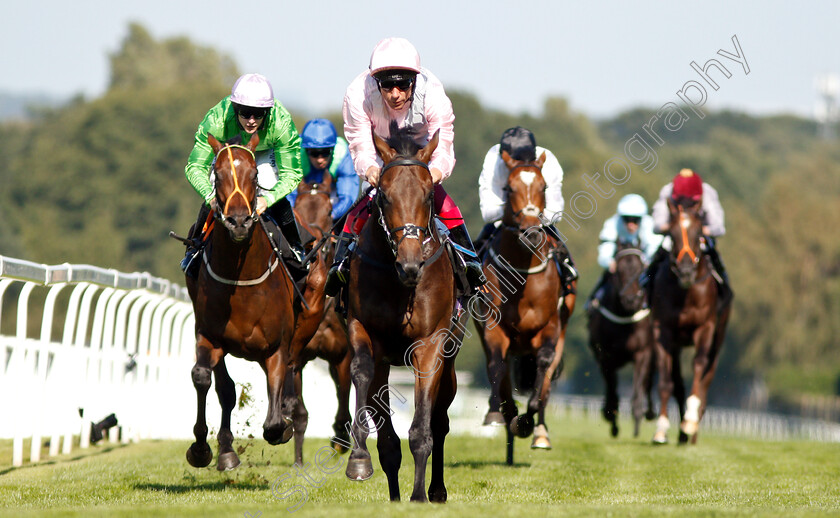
[{"x": 99, "y": 104}]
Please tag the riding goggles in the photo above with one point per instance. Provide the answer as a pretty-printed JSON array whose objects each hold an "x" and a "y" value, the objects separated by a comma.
[
  {"x": 388, "y": 84},
  {"x": 319, "y": 152},
  {"x": 247, "y": 112},
  {"x": 632, "y": 219}
]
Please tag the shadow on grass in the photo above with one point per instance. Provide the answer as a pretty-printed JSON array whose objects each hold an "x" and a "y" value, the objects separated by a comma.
[
  {"x": 204, "y": 486},
  {"x": 478, "y": 464},
  {"x": 74, "y": 458}
]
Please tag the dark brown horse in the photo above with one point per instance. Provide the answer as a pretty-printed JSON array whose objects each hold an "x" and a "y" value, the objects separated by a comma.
[
  {"x": 401, "y": 301},
  {"x": 528, "y": 314},
  {"x": 329, "y": 343},
  {"x": 620, "y": 332},
  {"x": 243, "y": 301},
  {"x": 685, "y": 308}
]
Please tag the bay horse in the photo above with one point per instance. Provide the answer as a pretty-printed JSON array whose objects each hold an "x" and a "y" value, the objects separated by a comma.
[
  {"x": 314, "y": 206},
  {"x": 620, "y": 332},
  {"x": 244, "y": 305},
  {"x": 687, "y": 310},
  {"x": 528, "y": 323},
  {"x": 401, "y": 300}
]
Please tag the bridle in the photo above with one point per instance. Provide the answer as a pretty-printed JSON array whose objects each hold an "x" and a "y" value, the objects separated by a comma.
[
  {"x": 685, "y": 250},
  {"x": 409, "y": 230},
  {"x": 625, "y": 253},
  {"x": 222, "y": 214}
]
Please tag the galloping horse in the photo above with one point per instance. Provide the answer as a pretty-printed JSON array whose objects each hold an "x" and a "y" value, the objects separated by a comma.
[
  {"x": 329, "y": 343},
  {"x": 529, "y": 321},
  {"x": 685, "y": 307},
  {"x": 620, "y": 331},
  {"x": 402, "y": 298},
  {"x": 243, "y": 299}
]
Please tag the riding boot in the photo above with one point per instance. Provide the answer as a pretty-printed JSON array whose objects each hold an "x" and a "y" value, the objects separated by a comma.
[
  {"x": 340, "y": 269},
  {"x": 720, "y": 269},
  {"x": 282, "y": 213},
  {"x": 646, "y": 279},
  {"x": 190, "y": 263},
  {"x": 460, "y": 238},
  {"x": 486, "y": 232},
  {"x": 597, "y": 291}
]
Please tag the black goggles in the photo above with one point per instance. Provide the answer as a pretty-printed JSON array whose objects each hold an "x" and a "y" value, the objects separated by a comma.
[
  {"x": 388, "y": 84},
  {"x": 246, "y": 112},
  {"x": 319, "y": 152},
  {"x": 632, "y": 219}
]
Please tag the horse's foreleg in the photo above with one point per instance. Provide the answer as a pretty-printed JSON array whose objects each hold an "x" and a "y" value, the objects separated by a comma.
[
  {"x": 610, "y": 410},
  {"x": 705, "y": 362},
  {"x": 641, "y": 386},
  {"x": 359, "y": 466},
  {"x": 387, "y": 442},
  {"x": 199, "y": 453},
  {"x": 420, "y": 441},
  {"x": 226, "y": 390},
  {"x": 664, "y": 361},
  {"x": 300, "y": 417},
  {"x": 440, "y": 428},
  {"x": 278, "y": 427},
  {"x": 341, "y": 377},
  {"x": 501, "y": 410}
]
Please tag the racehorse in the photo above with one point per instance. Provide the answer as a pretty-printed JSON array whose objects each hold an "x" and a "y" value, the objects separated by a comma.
[
  {"x": 329, "y": 343},
  {"x": 687, "y": 310},
  {"x": 401, "y": 300},
  {"x": 527, "y": 321},
  {"x": 243, "y": 300},
  {"x": 620, "y": 332}
]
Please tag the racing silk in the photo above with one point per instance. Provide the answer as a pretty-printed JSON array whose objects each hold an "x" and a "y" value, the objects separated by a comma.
[
  {"x": 712, "y": 210},
  {"x": 346, "y": 185},
  {"x": 429, "y": 110},
  {"x": 615, "y": 231},
  {"x": 277, "y": 134},
  {"x": 493, "y": 179}
]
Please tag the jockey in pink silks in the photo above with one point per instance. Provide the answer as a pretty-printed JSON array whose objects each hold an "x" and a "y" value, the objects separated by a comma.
[{"x": 396, "y": 89}]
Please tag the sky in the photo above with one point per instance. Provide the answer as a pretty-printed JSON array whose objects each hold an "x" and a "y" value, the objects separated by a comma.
[{"x": 602, "y": 57}]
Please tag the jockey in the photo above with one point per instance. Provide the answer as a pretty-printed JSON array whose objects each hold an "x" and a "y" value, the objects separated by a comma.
[
  {"x": 630, "y": 224},
  {"x": 520, "y": 144},
  {"x": 396, "y": 89},
  {"x": 326, "y": 151},
  {"x": 250, "y": 108},
  {"x": 688, "y": 184}
]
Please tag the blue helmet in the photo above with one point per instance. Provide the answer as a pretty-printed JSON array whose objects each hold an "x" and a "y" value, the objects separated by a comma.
[{"x": 318, "y": 133}]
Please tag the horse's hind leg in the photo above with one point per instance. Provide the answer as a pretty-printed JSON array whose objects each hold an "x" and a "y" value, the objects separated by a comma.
[
  {"x": 641, "y": 387},
  {"x": 341, "y": 377},
  {"x": 226, "y": 390},
  {"x": 300, "y": 418},
  {"x": 199, "y": 453},
  {"x": 440, "y": 428}
]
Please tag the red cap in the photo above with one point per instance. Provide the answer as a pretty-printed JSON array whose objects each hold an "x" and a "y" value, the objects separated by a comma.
[{"x": 687, "y": 184}]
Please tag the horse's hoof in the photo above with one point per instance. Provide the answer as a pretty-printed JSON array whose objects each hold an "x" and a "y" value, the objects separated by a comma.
[
  {"x": 683, "y": 438},
  {"x": 359, "y": 469},
  {"x": 437, "y": 495},
  {"x": 338, "y": 446},
  {"x": 494, "y": 419},
  {"x": 689, "y": 427},
  {"x": 650, "y": 415},
  {"x": 199, "y": 456},
  {"x": 227, "y": 461},
  {"x": 659, "y": 438},
  {"x": 614, "y": 430},
  {"x": 522, "y": 426},
  {"x": 279, "y": 434}
]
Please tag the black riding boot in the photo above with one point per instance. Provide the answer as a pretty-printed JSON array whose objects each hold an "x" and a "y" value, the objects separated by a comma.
[
  {"x": 720, "y": 269},
  {"x": 340, "y": 269},
  {"x": 563, "y": 258},
  {"x": 190, "y": 264},
  {"x": 282, "y": 213},
  {"x": 461, "y": 240},
  {"x": 486, "y": 231},
  {"x": 646, "y": 280}
]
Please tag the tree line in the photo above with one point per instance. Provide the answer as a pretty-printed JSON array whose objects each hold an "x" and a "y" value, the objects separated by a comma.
[{"x": 100, "y": 181}]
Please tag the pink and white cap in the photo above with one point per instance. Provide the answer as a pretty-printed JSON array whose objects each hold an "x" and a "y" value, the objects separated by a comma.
[
  {"x": 394, "y": 53},
  {"x": 252, "y": 90}
]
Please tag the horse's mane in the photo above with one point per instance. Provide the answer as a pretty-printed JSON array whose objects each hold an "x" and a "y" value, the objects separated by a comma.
[{"x": 402, "y": 140}]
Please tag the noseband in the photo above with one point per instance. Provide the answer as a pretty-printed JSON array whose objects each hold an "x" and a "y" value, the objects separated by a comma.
[
  {"x": 410, "y": 230},
  {"x": 222, "y": 216}
]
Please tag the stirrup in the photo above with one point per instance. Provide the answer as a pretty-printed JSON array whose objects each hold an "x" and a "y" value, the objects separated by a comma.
[{"x": 189, "y": 264}]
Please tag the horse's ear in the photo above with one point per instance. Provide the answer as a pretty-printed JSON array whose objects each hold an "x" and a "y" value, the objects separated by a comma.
[
  {"x": 672, "y": 208},
  {"x": 425, "y": 154},
  {"x": 541, "y": 160},
  {"x": 509, "y": 162},
  {"x": 382, "y": 148},
  {"x": 214, "y": 143},
  {"x": 252, "y": 144},
  {"x": 327, "y": 180}
]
